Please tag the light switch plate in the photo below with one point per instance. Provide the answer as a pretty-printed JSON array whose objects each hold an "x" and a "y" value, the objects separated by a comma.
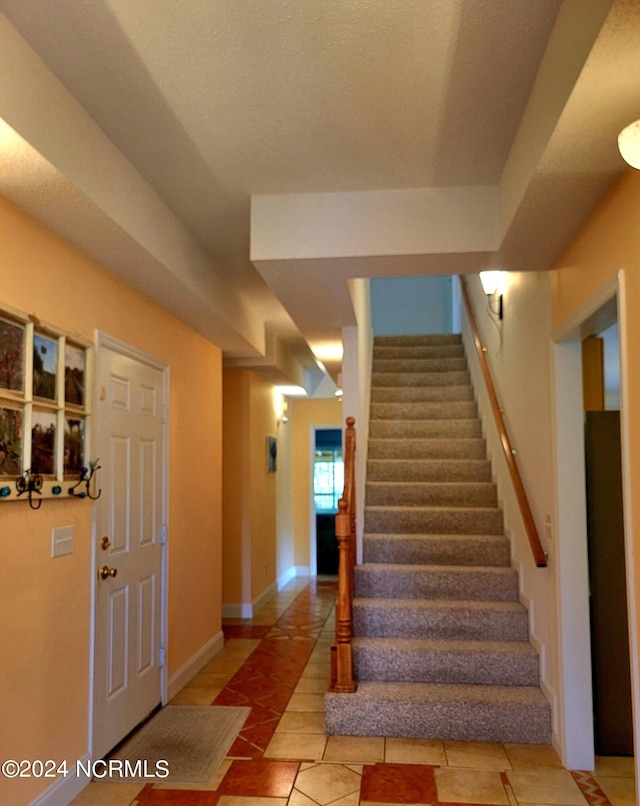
[{"x": 61, "y": 541}]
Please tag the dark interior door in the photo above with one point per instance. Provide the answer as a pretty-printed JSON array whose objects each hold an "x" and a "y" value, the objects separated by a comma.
[
  {"x": 328, "y": 483},
  {"x": 609, "y": 625},
  {"x": 326, "y": 544}
]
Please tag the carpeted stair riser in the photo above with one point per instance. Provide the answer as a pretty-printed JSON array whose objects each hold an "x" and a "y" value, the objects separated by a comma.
[
  {"x": 425, "y": 429},
  {"x": 469, "y": 550},
  {"x": 445, "y": 410},
  {"x": 450, "y": 619},
  {"x": 434, "y": 520},
  {"x": 389, "y": 379},
  {"x": 441, "y": 647},
  {"x": 418, "y": 366},
  {"x": 474, "y": 663},
  {"x": 513, "y": 714},
  {"x": 421, "y": 494},
  {"x": 478, "y": 583},
  {"x": 382, "y": 352},
  {"x": 428, "y": 470},
  {"x": 427, "y": 449},
  {"x": 413, "y": 394},
  {"x": 421, "y": 340}
]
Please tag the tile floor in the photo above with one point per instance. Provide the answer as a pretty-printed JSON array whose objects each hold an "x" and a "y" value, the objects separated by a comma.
[{"x": 277, "y": 664}]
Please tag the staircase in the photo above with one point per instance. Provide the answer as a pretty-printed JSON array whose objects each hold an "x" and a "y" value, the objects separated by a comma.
[{"x": 441, "y": 641}]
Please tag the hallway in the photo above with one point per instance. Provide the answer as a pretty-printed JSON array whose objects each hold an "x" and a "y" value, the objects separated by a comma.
[{"x": 278, "y": 663}]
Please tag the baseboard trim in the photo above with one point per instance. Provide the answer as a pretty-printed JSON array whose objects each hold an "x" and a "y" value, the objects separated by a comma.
[
  {"x": 247, "y": 609},
  {"x": 194, "y": 664},
  {"x": 261, "y": 598},
  {"x": 286, "y": 578},
  {"x": 237, "y": 610},
  {"x": 66, "y": 788}
]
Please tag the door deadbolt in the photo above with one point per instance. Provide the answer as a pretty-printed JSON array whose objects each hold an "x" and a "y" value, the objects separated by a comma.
[
  {"x": 105, "y": 543},
  {"x": 106, "y": 572}
]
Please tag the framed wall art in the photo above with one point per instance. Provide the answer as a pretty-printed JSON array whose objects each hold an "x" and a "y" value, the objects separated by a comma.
[{"x": 45, "y": 416}]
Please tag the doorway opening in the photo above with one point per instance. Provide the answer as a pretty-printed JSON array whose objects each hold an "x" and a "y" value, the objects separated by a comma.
[
  {"x": 328, "y": 485},
  {"x": 582, "y": 728},
  {"x": 610, "y": 665}
]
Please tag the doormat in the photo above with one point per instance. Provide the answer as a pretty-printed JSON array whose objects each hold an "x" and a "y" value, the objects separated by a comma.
[{"x": 188, "y": 741}]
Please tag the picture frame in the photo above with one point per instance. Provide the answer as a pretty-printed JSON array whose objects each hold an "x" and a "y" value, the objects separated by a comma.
[
  {"x": 43, "y": 442},
  {"x": 74, "y": 439},
  {"x": 11, "y": 433},
  {"x": 74, "y": 375},
  {"x": 11, "y": 355},
  {"x": 45, "y": 366},
  {"x": 45, "y": 409}
]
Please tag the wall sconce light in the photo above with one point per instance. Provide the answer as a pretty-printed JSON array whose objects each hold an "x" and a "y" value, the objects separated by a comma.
[
  {"x": 629, "y": 144},
  {"x": 283, "y": 419},
  {"x": 492, "y": 287}
]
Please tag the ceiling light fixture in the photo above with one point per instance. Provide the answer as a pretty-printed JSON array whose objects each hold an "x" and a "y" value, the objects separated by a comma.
[
  {"x": 629, "y": 144},
  {"x": 492, "y": 287}
]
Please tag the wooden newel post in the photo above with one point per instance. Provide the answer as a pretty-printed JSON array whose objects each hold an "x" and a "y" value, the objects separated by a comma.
[
  {"x": 350, "y": 487},
  {"x": 341, "y": 658}
]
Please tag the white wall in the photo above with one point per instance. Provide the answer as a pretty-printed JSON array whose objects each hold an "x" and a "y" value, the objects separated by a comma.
[
  {"x": 518, "y": 351},
  {"x": 356, "y": 383},
  {"x": 411, "y": 305}
]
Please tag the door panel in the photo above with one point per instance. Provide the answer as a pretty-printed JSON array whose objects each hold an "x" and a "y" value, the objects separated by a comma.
[
  {"x": 608, "y": 588},
  {"x": 128, "y": 597}
]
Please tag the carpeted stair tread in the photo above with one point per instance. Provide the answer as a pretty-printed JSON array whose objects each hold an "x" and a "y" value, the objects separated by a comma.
[
  {"x": 436, "y": 519},
  {"x": 432, "y": 549},
  {"x": 441, "y": 378},
  {"x": 428, "y": 470},
  {"x": 390, "y": 351},
  {"x": 420, "y": 365},
  {"x": 413, "y": 394},
  {"x": 472, "y": 583},
  {"x": 438, "y": 448},
  {"x": 432, "y": 493},
  {"x": 437, "y": 410},
  {"x": 423, "y": 660},
  {"x": 440, "y": 618},
  {"x": 425, "y": 429},
  {"x": 518, "y": 714}
]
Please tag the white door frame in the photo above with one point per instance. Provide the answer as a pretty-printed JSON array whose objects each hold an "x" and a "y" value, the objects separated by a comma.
[
  {"x": 105, "y": 341},
  {"x": 574, "y": 630}
]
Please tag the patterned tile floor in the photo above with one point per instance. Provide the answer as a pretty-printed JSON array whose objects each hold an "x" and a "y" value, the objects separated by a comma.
[{"x": 277, "y": 664}]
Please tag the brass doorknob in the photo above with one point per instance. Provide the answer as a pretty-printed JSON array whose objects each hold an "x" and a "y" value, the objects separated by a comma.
[{"x": 106, "y": 572}]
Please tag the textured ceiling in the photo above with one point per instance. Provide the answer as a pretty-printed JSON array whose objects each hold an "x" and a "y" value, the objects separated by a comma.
[{"x": 213, "y": 102}]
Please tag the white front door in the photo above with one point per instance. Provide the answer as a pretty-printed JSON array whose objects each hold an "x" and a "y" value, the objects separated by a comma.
[{"x": 129, "y": 550}]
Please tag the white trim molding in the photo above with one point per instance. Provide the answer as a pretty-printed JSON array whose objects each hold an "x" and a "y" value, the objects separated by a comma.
[{"x": 195, "y": 663}]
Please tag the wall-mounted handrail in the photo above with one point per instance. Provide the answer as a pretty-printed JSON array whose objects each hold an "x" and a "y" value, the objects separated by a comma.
[
  {"x": 538, "y": 552},
  {"x": 341, "y": 650}
]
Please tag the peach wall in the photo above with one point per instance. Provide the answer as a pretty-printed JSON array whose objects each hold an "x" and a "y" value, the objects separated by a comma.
[
  {"x": 263, "y": 488},
  {"x": 609, "y": 241},
  {"x": 236, "y": 580},
  {"x": 304, "y": 415},
  {"x": 45, "y": 613},
  {"x": 249, "y": 518}
]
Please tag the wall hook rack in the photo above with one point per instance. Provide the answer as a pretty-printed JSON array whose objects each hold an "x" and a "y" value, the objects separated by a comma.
[
  {"x": 86, "y": 475},
  {"x": 30, "y": 482}
]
